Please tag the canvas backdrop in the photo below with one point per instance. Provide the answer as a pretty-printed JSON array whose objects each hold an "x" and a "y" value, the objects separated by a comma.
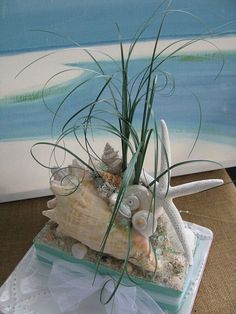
[{"x": 29, "y": 99}]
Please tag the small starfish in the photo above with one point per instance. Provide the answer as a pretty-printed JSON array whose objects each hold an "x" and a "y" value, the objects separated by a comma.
[{"x": 165, "y": 194}]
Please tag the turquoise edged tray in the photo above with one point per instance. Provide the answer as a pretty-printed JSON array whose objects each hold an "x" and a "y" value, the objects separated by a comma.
[{"x": 171, "y": 300}]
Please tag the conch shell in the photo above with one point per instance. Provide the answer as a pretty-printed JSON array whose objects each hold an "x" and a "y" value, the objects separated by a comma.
[
  {"x": 112, "y": 160},
  {"x": 83, "y": 215}
]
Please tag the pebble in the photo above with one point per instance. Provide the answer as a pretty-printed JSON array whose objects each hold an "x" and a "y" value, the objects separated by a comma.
[{"x": 79, "y": 250}]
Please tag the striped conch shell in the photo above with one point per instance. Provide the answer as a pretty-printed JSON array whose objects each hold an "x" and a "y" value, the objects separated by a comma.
[
  {"x": 112, "y": 160},
  {"x": 84, "y": 215}
]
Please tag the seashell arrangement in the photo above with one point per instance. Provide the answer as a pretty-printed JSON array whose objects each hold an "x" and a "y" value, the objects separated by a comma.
[{"x": 84, "y": 203}]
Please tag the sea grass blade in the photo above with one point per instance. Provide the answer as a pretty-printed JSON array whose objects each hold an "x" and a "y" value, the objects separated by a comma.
[
  {"x": 126, "y": 259},
  {"x": 199, "y": 125},
  {"x": 61, "y": 147},
  {"x": 184, "y": 163},
  {"x": 90, "y": 105},
  {"x": 125, "y": 182}
]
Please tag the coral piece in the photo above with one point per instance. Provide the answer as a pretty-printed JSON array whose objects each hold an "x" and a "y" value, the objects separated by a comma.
[
  {"x": 106, "y": 190},
  {"x": 113, "y": 179},
  {"x": 165, "y": 193},
  {"x": 112, "y": 160},
  {"x": 84, "y": 215}
]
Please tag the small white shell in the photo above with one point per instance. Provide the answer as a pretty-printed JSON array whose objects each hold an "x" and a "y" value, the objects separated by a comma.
[
  {"x": 79, "y": 250},
  {"x": 113, "y": 198},
  {"x": 139, "y": 196},
  {"x": 143, "y": 223}
]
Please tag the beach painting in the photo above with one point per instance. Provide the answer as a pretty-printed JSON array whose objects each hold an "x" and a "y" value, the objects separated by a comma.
[{"x": 42, "y": 60}]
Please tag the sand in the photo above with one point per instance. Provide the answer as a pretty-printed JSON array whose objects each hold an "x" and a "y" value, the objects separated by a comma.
[{"x": 37, "y": 74}]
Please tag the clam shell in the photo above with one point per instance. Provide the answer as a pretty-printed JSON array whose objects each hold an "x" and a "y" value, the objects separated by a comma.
[{"x": 84, "y": 215}]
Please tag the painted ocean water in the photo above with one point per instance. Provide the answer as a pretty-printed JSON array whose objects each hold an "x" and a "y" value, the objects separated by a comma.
[
  {"x": 22, "y": 112},
  {"x": 94, "y": 22},
  {"x": 27, "y": 31},
  {"x": 30, "y": 28},
  {"x": 26, "y": 116}
]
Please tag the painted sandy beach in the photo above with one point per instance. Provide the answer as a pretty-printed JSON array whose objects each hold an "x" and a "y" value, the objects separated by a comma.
[
  {"x": 36, "y": 75},
  {"x": 22, "y": 177}
]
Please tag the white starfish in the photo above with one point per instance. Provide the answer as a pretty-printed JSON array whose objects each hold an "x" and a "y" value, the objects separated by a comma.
[{"x": 165, "y": 194}]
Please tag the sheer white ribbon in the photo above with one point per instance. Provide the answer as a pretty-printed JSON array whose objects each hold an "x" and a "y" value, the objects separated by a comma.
[{"x": 70, "y": 284}]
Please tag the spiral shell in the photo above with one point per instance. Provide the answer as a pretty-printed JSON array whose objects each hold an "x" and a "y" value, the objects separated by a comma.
[
  {"x": 144, "y": 222},
  {"x": 137, "y": 200},
  {"x": 138, "y": 197},
  {"x": 112, "y": 160}
]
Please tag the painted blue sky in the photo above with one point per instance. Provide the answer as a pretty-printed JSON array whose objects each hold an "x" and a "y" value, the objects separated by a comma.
[{"x": 92, "y": 21}]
